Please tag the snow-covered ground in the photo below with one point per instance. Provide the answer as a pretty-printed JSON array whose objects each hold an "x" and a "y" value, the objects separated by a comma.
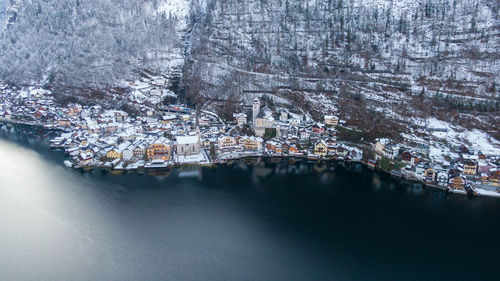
[
  {"x": 200, "y": 158},
  {"x": 454, "y": 135}
]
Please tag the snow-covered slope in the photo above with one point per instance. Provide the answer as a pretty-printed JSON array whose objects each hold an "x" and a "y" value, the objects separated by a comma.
[{"x": 379, "y": 63}]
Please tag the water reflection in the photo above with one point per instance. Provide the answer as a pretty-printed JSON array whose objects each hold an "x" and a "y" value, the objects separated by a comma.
[{"x": 255, "y": 220}]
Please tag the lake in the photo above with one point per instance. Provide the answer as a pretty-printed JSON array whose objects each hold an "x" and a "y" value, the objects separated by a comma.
[{"x": 245, "y": 221}]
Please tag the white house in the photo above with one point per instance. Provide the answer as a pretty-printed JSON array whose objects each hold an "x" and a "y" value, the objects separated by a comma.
[
  {"x": 240, "y": 118},
  {"x": 331, "y": 120}
]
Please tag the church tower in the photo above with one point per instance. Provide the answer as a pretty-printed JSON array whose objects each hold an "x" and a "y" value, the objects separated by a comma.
[{"x": 256, "y": 109}]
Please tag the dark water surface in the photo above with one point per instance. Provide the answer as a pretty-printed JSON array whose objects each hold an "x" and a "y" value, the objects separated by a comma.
[{"x": 239, "y": 222}]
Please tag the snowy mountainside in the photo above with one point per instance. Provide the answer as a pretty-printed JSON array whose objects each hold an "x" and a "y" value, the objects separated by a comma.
[
  {"x": 79, "y": 47},
  {"x": 379, "y": 64},
  {"x": 390, "y": 59}
]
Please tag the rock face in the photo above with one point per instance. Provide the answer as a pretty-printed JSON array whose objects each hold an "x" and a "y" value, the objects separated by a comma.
[{"x": 371, "y": 60}]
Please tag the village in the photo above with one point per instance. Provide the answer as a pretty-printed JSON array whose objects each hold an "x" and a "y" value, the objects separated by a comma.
[{"x": 172, "y": 135}]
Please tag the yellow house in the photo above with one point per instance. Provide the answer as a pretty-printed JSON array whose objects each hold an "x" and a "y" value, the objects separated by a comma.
[
  {"x": 159, "y": 149},
  {"x": 251, "y": 143},
  {"x": 430, "y": 175},
  {"x": 457, "y": 183},
  {"x": 494, "y": 178},
  {"x": 470, "y": 168},
  {"x": 321, "y": 149},
  {"x": 112, "y": 154},
  {"x": 64, "y": 122},
  {"x": 226, "y": 141}
]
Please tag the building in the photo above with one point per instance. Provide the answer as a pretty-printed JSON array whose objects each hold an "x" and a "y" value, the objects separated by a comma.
[
  {"x": 470, "y": 168},
  {"x": 430, "y": 175},
  {"x": 494, "y": 178},
  {"x": 410, "y": 157},
  {"x": 139, "y": 149},
  {"x": 112, "y": 154},
  {"x": 420, "y": 170},
  {"x": 203, "y": 121},
  {"x": 255, "y": 109},
  {"x": 331, "y": 120},
  {"x": 321, "y": 148},
  {"x": 226, "y": 141},
  {"x": 262, "y": 122},
  {"x": 240, "y": 118},
  {"x": 442, "y": 178},
  {"x": 318, "y": 128},
  {"x": 251, "y": 143},
  {"x": 188, "y": 145},
  {"x": 457, "y": 183},
  {"x": 127, "y": 154},
  {"x": 64, "y": 122},
  {"x": 386, "y": 148},
  {"x": 159, "y": 149},
  {"x": 284, "y": 116}
]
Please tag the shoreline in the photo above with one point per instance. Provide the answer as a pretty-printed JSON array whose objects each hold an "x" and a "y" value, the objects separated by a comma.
[{"x": 301, "y": 157}]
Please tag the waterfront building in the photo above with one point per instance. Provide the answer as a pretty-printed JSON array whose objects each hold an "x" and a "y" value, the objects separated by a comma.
[
  {"x": 442, "y": 178},
  {"x": 321, "y": 148},
  {"x": 112, "y": 153},
  {"x": 251, "y": 143},
  {"x": 430, "y": 175},
  {"x": 226, "y": 141},
  {"x": 159, "y": 149},
  {"x": 457, "y": 182}
]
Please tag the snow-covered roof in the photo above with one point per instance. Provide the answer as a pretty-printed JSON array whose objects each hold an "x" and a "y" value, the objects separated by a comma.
[{"x": 186, "y": 139}]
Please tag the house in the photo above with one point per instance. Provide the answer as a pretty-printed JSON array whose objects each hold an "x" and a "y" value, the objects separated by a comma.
[
  {"x": 120, "y": 116},
  {"x": 331, "y": 144},
  {"x": 128, "y": 153},
  {"x": 318, "y": 128},
  {"x": 64, "y": 122},
  {"x": 356, "y": 154},
  {"x": 494, "y": 178},
  {"x": 372, "y": 163},
  {"x": 294, "y": 122},
  {"x": 420, "y": 170},
  {"x": 442, "y": 178},
  {"x": 410, "y": 157},
  {"x": 139, "y": 149},
  {"x": 188, "y": 145},
  {"x": 304, "y": 134},
  {"x": 203, "y": 121},
  {"x": 226, "y": 141},
  {"x": 283, "y": 116},
  {"x": 380, "y": 145},
  {"x": 331, "y": 120},
  {"x": 166, "y": 119},
  {"x": 240, "y": 118},
  {"x": 159, "y": 149},
  {"x": 457, "y": 182},
  {"x": 292, "y": 149},
  {"x": 112, "y": 153},
  {"x": 430, "y": 175},
  {"x": 386, "y": 148},
  {"x": 470, "y": 168},
  {"x": 85, "y": 158},
  {"x": 251, "y": 143},
  {"x": 321, "y": 148}
]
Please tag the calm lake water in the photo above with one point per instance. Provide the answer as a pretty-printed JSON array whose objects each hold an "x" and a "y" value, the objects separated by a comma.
[{"x": 238, "y": 222}]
